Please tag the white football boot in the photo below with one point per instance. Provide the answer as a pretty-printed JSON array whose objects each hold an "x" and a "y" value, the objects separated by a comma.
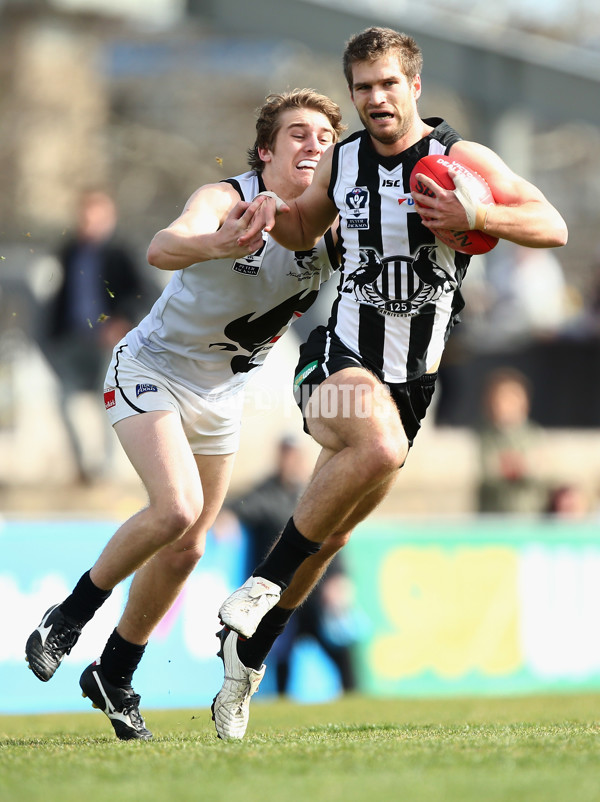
[
  {"x": 246, "y": 607},
  {"x": 231, "y": 706}
]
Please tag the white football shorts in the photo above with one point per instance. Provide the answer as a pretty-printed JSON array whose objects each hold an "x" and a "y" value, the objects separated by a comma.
[{"x": 130, "y": 388}]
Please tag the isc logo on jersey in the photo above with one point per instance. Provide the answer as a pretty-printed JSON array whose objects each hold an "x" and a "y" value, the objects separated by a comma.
[{"x": 398, "y": 183}]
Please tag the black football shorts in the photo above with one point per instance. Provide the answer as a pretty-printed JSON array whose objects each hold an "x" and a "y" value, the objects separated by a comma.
[{"x": 324, "y": 354}]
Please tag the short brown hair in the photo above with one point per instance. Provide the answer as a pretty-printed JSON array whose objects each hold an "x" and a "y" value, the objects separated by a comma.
[
  {"x": 268, "y": 120},
  {"x": 372, "y": 43}
]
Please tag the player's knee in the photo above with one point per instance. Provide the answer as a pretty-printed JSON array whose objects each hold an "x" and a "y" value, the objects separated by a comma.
[
  {"x": 384, "y": 456},
  {"x": 176, "y": 519}
]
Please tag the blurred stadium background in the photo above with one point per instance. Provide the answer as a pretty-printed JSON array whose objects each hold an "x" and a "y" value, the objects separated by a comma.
[{"x": 152, "y": 98}]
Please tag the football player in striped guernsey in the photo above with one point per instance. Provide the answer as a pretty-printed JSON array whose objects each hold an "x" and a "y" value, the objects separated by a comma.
[{"x": 365, "y": 380}]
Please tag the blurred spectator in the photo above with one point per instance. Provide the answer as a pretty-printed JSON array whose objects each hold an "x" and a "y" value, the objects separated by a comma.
[
  {"x": 509, "y": 444},
  {"x": 529, "y": 297},
  {"x": 328, "y": 615},
  {"x": 567, "y": 501},
  {"x": 98, "y": 300}
]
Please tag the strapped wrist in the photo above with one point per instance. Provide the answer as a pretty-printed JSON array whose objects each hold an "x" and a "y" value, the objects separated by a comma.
[
  {"x": 278, "y": 202},
  {"x": 474, "y": 210},
  {"x": 481, "y": 214}
]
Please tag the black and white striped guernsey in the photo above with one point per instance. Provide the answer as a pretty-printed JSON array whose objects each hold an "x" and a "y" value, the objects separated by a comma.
[{"x": 399, "y": 292}]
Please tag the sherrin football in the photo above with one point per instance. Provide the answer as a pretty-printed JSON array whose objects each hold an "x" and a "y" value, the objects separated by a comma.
[{"x": 436, "y": 167}]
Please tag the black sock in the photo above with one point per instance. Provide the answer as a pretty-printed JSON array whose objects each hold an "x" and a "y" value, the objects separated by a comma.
[
  {"x": 253, "y": 652},
  {"x": 86, "y": 598},
  {"x": 287, "y": 555},
  {"x": 120, "y": 659}
]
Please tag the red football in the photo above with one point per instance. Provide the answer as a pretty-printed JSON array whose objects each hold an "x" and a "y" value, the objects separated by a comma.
[{"x": 436, "y": 167}]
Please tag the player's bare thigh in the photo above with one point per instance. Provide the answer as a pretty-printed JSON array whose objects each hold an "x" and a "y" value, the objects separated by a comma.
[
  {"x": 353, "y": 408},
  {"x": 157, "y": 447}
]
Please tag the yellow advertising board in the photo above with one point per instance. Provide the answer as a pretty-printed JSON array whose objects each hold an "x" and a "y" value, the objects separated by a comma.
[{"x": 498, "y": 606}]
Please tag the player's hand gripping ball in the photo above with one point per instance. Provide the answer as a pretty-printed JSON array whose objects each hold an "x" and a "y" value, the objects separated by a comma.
[{"x": 436, "y": 167}]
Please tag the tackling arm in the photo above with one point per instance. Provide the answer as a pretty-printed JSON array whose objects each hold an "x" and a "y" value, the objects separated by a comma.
[{"x": 208, "y": 228}]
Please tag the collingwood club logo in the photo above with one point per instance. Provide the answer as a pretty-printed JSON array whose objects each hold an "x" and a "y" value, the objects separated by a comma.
[{"x": 399, "y": 285}]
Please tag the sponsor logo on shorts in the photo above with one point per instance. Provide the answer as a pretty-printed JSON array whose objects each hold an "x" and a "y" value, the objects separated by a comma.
[
  {"x": 305, "y": 372},
  {"x": 109, "y": 399},
  {"x": 145, "y": 388}
]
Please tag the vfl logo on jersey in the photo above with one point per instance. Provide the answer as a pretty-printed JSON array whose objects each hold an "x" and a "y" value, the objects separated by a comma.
[
  {"x": 399, "y": 285},
  {"x": 251, "y": 264},
  {"x": 140, "y": 389},
  {"x": 357, "y": 207}
]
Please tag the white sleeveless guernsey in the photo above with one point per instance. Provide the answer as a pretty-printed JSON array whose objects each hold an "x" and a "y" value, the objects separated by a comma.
[{"x": 215, "y": 322}]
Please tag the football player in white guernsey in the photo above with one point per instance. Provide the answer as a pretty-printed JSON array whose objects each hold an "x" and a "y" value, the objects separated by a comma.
[
  {"x": 173, "y": 394},
  {"x": 365, "y": 381}
]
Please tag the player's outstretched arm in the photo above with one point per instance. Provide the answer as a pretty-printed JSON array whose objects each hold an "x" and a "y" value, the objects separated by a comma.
[{"x": 208, "y": 228}]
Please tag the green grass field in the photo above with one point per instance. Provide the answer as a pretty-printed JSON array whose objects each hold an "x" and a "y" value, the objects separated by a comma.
[{"x": 519, "y": 749}]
